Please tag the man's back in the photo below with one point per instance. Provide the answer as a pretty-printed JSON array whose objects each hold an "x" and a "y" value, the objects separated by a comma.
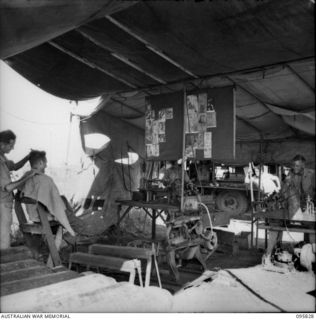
[{"x": 42, "y": 188}]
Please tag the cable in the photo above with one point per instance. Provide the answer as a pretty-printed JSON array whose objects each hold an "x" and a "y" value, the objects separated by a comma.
[
  {"x": 209, "y": 216},
  {"x": 254, "y": 292}
]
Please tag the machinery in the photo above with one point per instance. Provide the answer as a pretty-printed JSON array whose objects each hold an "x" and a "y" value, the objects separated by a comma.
[
  {"x": 189, "y": 232},
  {"x": 190, "y": 235}
]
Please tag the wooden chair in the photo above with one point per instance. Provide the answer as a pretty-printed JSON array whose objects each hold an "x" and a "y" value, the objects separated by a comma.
[{"x": 44, "y": 228}]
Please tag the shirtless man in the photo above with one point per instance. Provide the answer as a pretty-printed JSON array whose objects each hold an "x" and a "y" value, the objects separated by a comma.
[{"x": 7, "y": 142}]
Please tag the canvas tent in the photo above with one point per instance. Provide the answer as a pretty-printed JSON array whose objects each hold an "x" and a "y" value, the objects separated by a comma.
[{"x": 125, "y": 51}]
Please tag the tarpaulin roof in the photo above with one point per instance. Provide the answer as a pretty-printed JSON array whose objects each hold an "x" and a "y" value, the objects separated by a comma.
[{"x": 124, "y": 51}]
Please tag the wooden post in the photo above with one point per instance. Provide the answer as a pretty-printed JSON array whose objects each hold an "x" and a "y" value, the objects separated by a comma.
[
  {"x": 58, "y": 242},
  {"x": 153, "y": 225},
  {"x": 213, "y": 173},
  {"x": 251, "y": 185},
  {"x": 252, "y": 201},
  {"x": 260, "y": 169},
  {"x": 183, "y": 149}
]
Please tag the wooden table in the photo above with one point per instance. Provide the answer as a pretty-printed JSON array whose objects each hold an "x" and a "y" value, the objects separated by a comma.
[
  {"x": 156, "y": 209},
  {"x": 279, "y": 220}
]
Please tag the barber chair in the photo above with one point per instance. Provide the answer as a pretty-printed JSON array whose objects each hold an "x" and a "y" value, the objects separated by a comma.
[{"x": 51, "y": 230}]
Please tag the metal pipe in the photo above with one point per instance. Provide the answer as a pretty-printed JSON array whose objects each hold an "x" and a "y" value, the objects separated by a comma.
[
  {"x": 90, "y": 64},
  {"x": 150, "y": 46}
]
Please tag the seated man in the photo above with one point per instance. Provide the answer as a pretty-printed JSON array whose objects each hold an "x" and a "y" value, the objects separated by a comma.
[{"x": 42, "y": 188}]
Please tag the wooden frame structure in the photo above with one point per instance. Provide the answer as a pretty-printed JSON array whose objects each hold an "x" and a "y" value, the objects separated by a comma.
[{"x": 43, "y": 228}]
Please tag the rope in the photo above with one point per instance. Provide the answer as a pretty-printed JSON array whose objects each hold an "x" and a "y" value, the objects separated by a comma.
[
  {"x": 35, "y": 122},
  {"x": 254, "y": 292}
]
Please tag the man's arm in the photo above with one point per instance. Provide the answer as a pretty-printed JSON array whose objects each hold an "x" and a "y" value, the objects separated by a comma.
[
  {"x": 14, "y": 185},
  {"x": 21, "y": 163}
]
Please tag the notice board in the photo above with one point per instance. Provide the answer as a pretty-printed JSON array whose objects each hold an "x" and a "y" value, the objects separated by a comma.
[
  {"x": 164, "y": 126},
  {"x": 208, "y": 120}
]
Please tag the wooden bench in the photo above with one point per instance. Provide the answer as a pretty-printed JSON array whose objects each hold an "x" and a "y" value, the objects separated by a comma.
[
  {"x": 44, "y": 227},
  {"x": 129, "y": 252},
  {"x": 112, "y": 263}
]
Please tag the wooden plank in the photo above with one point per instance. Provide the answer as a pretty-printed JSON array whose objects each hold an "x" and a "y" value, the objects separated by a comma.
[
  {"x": 15, "y": 254},
  {"x": 24, "y": 273},
  {"x": 92, "y": 260},
  {"x": 36, "y": 282},
  {"x": 290, "y": 229},
  {"x": 33, "y": 228},
  {"x": 18, "y": 265},
  {"x": 120, "y": 251},
  {"x": 60, "y": 268},
  {"x": 49, "y": 236},
  {"x": 150, "y": 205},
  {"x": 14, "y": 250},
  {"x": 57, "y": 241},
  {"x": 128, "y": 252}
]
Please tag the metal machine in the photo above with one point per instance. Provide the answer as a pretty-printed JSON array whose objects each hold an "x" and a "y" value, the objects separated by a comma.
[{"x": 190, "y": 235}]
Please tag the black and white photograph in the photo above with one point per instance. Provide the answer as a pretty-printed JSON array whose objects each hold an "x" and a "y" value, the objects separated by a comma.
[
  {"x": 110, "y": 111},
  {"x": 210, "y": 104},
  {"x": 202, "y": 122},
  {"x": 148, "y": 113},
  {"x": 161, "y": 137},
  {"x": 202, "y": 100},
  {"x": 162, "y": 115},
  {"x": 211, "y": 119},
  {"x": 169, "y": 113},
  {"x": 161, "y": 126}
]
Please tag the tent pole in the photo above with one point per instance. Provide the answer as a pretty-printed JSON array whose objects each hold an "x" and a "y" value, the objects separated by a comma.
[
  {"x": 183, "y": 149},
  {"x": 260, "y": 169}
]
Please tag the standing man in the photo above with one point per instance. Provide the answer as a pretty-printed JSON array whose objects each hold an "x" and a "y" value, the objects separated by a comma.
[
  {"x": 7, "y": 142},
  {"x": 298, "y": 187}
]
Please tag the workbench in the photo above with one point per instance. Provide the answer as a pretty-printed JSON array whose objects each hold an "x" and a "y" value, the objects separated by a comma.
[
  {"x": 152, "y": 208},
  {"x": 279, "y": 220}
]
